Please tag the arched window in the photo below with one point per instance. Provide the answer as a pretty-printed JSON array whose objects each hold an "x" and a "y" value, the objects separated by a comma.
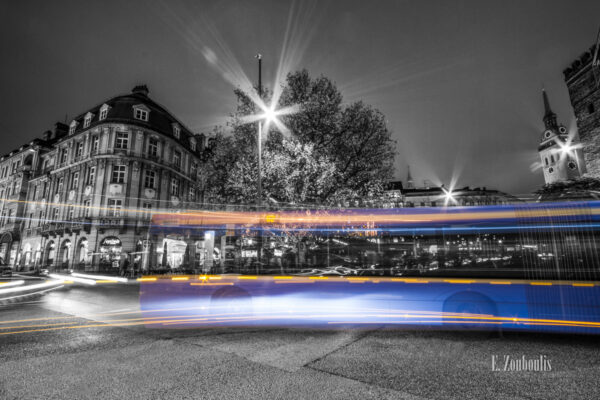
[
  {"x": 551, "y": 158},
  {"x": 546, "y": 159}
]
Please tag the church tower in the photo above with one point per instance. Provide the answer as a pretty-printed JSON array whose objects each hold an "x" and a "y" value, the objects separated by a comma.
[
  {"x": 561, "y": 156},
  {"x": 409, "y": 180}
]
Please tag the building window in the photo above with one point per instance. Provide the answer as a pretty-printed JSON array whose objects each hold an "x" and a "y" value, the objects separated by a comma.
[
  {"x": 95, "y": 143},
  {"x": 63, "y": 155},
  {"x": 92, "y": 176},
  {"x": 147, "y": 207},
  {"x": 55, "y": 214},
  {"x": 153, "y": 147},
  {"x": 10, "y": 216},
  {"x": 87, "y": 120},
  {"x": 176, "y": 131},
  {"x": 551, "y": 158},
  {"x": 33, "y": 195},
  {"x": 87, "y": 205},
  {"x": 59, "y": 187},
  {"x": 74, "y": 180},
  {"x": 546, "y": 160},
  {"x": 122, "y": 140},
  {"x": 192, "y": 194},
  {"x": 79, "y": 150},
  {"x": 177, "y": 159},
  {"x": 70, "y": 213},
  {"x": 30, "y": 220},
  {"x": 193, "y": 144},
  {"x": 149, "y": 179},
  {"x": 141, "y": 114},
  {"x": 174, "y": 187},
  {"x": 591, "y": 108},
  {"x": 118, "y": 173},
  {"x": 72, "y": 127},
  {"x": 103, "y": 112},
  {"x": 194, "y": 170},
  {"x": 114, "y": 207}
]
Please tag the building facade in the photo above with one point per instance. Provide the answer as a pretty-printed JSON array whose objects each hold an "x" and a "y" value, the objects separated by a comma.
[
  {"x": 81, "y": 196},
  {"x": 560, "y": 153},
  {"x": 583, "y": 82}
]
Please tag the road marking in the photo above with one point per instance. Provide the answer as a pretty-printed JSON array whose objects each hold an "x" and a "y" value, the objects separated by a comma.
[
  {"x": 500, "y": 283},
  {"x": 541, "y": 283}
]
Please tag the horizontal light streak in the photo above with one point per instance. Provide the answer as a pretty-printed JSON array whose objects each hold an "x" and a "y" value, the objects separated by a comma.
[
  {"x": 4, "y": 285},
  {"x": 99, "y": 277},
  {"x": 64, "y": 278},
  {"x": 26, "y": 288},
  {"x": 345, "y": 279}
]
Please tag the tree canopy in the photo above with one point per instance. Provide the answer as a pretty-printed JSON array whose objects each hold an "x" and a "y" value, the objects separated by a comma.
[{"x": 332, "y": 152}]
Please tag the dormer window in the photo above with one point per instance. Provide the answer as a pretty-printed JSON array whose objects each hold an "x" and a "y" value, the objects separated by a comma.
[
  {"x": 72, "y": 127},
  {"x": 176, "y": 130},
  {"x": 103, "y": 112},
  {"x": 141, "y": 112},
  {"x": 87, "y": 120},
  {"x": 193, "y": 144}
]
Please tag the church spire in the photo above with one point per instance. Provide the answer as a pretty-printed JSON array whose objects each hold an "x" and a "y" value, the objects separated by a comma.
[
  {"x": 409, "y": 180},
  {"x": 549, "y": 115}
]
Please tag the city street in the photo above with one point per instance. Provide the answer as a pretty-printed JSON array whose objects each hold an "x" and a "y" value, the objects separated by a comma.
[{"x": 76, "y": 354}]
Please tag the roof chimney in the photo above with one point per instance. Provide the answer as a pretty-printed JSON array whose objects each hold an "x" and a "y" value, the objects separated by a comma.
[
  {"x": 141, "y": 89},
  {"x": 60, "y": 130},
  {"x": 47, "y": 135}
]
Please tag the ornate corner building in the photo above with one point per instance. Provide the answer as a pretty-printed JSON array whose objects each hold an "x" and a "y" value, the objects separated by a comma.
[
  {"x": 81, "y": 196},
  {"x": 583, "y": 82}
]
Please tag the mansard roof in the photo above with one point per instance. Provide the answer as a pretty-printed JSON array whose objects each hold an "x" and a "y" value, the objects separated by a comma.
[{"x": 121, "y": 110}]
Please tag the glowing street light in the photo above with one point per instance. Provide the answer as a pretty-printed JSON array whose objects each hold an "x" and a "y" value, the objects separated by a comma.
[{"x": 448, "y": 196}]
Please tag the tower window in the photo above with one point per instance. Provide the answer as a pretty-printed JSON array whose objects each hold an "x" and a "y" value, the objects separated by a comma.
[
  {"x": 591, "y": 108},
  {"x": 551, "y": 158},
  {"x": 546, "y": 159}
]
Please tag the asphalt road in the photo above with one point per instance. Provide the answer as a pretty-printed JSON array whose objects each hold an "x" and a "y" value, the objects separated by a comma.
[{"x": 76, "y": 354}]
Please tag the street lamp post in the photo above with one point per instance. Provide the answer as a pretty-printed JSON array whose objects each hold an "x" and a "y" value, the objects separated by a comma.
[
  {"x": 259, "y": 141},
  {"x": 259, "y": 146}
]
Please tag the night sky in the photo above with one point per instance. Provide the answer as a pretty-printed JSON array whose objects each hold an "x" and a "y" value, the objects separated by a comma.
[{"x": 459, "y": 81}]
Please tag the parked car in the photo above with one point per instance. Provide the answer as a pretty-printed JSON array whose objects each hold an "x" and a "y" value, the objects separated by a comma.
[{"x": 5, "y": 270}]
